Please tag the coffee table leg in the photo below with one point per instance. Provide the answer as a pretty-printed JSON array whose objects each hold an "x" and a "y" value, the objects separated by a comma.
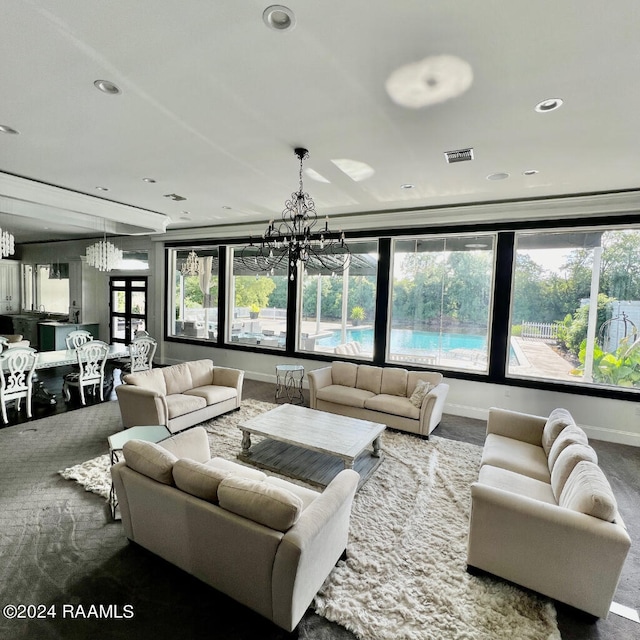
[
  {"x": 246, "y": 442},
  {"x": 376, "y": 448}
]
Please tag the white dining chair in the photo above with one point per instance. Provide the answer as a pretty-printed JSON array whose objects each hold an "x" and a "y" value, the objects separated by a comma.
[
  {"x": 17, "y": 366},
  {"x": 92, "y": 357},
  {"x": 77, "y": 338}
]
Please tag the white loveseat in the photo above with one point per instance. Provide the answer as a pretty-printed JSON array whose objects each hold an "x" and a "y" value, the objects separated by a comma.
[
  {"x": 179, "y": 396},
  {"x": 380, "y": 394},
  {"x": 543, "y": 514},
  {"x": 263, "y": 541}
]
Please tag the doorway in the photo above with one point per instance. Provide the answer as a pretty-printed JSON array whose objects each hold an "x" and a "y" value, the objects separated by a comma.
[{"x": 127, "y": 307}]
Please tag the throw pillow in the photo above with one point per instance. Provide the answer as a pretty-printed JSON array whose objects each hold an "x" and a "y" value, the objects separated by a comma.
[
  {"x": 200, "y": 480},
  {"x": 150, "y": 459},
  {"x": 571, "y": 434},
  {"x": 422, "y": 389},
  {"x": 565, "y": 464},
  {"x": 558, "y": 419},
  {"x": 274, "y": 507},
  {"x": 588, "y": 491}
]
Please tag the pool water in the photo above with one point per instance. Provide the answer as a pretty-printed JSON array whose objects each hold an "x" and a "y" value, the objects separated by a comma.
[{"x": 409, "y": 340}]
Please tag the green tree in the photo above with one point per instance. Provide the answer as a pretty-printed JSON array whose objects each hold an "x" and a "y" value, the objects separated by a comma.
[{"x": 251, "y": 290}]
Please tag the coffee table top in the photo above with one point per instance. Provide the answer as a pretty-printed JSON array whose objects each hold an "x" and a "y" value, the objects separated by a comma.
[
  {"x": 315, "y": 430},
  {"x": 151, "y": 433}
]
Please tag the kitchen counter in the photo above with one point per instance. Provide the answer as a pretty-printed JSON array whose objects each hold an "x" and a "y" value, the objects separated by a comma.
[{"x": 53, "y": 333}]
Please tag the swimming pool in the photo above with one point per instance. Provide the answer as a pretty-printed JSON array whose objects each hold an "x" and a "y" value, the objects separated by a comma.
[{"x": 409, "y": 340}]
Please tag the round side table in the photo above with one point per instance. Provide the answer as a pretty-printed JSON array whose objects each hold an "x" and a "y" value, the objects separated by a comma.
[{"x": 289, "y": 383}]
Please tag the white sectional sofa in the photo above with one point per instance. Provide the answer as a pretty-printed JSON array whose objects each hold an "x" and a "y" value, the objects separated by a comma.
[
  {"x": 179, "y": 396},
  {"x": 380, "y": 394},
  {"x": 543, "y": 514},
  {"x": 263, "y": 541}
]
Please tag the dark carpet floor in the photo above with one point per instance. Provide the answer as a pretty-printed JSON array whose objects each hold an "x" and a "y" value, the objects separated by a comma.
[{"x": 59, "y": 546}]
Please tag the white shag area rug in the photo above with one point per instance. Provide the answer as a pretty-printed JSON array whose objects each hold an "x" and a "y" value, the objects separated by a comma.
[{"x": 405, "y": 574}]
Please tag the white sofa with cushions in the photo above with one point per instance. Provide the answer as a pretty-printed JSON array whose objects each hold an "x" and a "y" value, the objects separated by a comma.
[
  {"x": 543, "y": 514},
  {"x": 408, "y": 400},
  {"x": 179, "y": 396},
  {"x": 265, "y": 542}
]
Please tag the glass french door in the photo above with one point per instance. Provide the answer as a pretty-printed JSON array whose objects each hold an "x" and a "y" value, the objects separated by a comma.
[{"x": 127, "y": 307}]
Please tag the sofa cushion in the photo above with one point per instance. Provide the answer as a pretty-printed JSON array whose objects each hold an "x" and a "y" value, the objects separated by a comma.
[
  {"x": 516, "y": 455},
  {"x": 222, "y": 464},
  {"x": 306, "y": 495},
  {"x": 150, "y": 459},
  {"x": 516, "y": 483},
  {"x": 558, "y": 419},
  {"x": 422, "y": 389},
  {"x": 571, "y": 434},
  {"x": 394, "y": 381},
  {"x": 198, "y": 479},
  {"x": 201, "y": 372},
  {"x": 266, "y": 504},
  {"x": 177, "y": 377},
  {"x": 434, "y": 377},
  {"x": 344, "y": 373},
  {"x": 566, "y": 462},
  {"x": 152, "y": 380},
  {"x": 588, "y": 491},
  {"x": 339, "y": 394},
  {"x": 179, "y": 403},
  {"x": 394, "y": 405},
  {"x": 369, "y": 378},
  {"x": 191, "y": 443},
  {"x": 212, "y": 394}
]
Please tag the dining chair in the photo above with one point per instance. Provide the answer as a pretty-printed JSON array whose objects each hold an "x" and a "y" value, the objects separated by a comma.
[
  {"x": 77, "y": 338},
  {"x": 17, "y": 366},
  {"x": 92, "y": 357},
  {"x": 141, "y": 353}
]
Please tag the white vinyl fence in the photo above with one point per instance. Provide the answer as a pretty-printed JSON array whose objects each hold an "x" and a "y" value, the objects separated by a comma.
[{"x": 541, "y": 330}]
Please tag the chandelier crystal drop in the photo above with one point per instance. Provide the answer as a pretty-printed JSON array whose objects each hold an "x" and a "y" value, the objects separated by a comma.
[
  {"x": 104, "y": 256},
  {"x": 294, "y": 241},
  {"x": 7, "y": 244},
  {"x": 191, "y": 266}
]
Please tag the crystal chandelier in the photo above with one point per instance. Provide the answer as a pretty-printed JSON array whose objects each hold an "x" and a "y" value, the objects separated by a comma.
[
  {"x": 191, "y": 266},
  {"x": 294, "y": 241},
  {"x": 104, "y": 255},
  {"x": 7, "y": 244}
]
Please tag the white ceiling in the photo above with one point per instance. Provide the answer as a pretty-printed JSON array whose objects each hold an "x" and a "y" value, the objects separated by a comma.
[{"x": 213, "y": 102}]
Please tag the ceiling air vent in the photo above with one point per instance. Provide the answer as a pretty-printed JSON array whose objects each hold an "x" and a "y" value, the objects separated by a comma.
[{"x": 461, "y": 155}]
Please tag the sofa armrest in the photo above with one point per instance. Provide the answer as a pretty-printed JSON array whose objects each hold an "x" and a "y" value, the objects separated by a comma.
[
  {"x": 514, "y": 424},
  {"x": 311, "y": 548},
  {"x": 566, "y": 555},
  {"x": 139, "y": 406},
  {"x": 227, "y": 377},
  {"x": 318, "y": 378},
  {"x": 432, "y": 408}
]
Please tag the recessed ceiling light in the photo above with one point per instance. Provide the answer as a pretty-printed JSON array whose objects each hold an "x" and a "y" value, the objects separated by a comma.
[
  {"x": 407, "y": 185},
  {"x": 530, "y": 172},
  {"x": 149, "y": 180},
  {"x": 102, "y": 188},
  {"x": 279, "y": 18},
  {"x": 227, "y": 208},
  {"x": 6, "y": 129},
  {"x": 107, "y": 87},
  {"x": 498, "y": 176},
  {"x": 550, "y": 104}
]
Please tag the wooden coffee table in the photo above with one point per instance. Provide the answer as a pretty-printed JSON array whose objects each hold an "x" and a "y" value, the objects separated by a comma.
[{"x": 311, "y": 445}]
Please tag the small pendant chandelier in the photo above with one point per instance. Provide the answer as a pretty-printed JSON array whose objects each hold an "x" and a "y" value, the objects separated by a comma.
[
  {"x": 104, "y": 255},
  {"x": 7, "y": 244},
  {"x": 191, "y": 266},
  {"x": 294, "y": 242}
]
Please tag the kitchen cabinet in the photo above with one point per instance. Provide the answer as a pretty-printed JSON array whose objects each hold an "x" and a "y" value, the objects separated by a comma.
[
  {"x": 53, "y": 334},
  {"x": 9, "y": 286}
]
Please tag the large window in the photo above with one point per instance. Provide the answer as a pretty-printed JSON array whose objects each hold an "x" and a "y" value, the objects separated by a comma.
[
  {"x": 256, "y": 305},
  {"x": 575, "y": 313},
  {"x": 194, "y": 293},
  {"x": 441, "y": 301},
  {"x": 338, "y": 309}
]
